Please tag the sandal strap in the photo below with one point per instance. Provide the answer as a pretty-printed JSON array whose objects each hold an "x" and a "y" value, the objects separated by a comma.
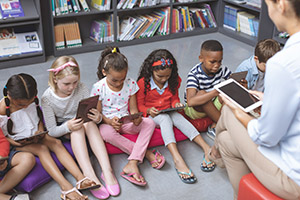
[
  {"x": 185, "y": 173},
  {"x": 78, "y": 184},
  {"x": 156, "y": 153},
  {"x": 65, "y": 193}
]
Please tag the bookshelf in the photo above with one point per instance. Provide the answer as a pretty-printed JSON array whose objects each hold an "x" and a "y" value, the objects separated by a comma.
[
  {"x": 85, "y": 20},
  {"x": 281, "y": 40},
  {"x": 32, "y": 21},
  {"x": 265, "y": 29}
]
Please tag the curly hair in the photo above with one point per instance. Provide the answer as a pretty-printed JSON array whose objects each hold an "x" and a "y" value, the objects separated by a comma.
[
  {"x": 111, "y": 57},
  {"x": 147, "y": 69}
]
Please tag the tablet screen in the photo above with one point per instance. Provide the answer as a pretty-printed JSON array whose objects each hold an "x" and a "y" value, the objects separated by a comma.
[{"x": 238, "y": 94}]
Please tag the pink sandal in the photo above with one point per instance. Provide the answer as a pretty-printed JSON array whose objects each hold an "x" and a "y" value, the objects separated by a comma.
[
  {"x": 129, "y": 177},
  {"x": 163, "y": 160}
]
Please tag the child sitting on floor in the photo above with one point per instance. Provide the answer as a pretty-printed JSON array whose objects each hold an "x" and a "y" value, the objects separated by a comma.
[
  {"x": 200, "y": 94},
  {"x": 60, "y": 103},
  {"x": 13, "y": 169},
  {"x": 22, "y": 118},
  {"x": 117, "y": 94},
  {"x": 159, "y": 83},
  {"x": 256, "y": 65}
]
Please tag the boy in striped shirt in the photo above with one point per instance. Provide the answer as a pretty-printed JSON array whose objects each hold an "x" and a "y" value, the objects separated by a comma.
[{"x": 200, "y": 94}]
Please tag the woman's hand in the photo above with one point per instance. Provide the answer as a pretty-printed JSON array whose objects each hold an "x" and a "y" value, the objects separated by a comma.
[
  {"x": 115, "y": 123},
  {"x": 95, "y": 115},
  {"x": 75, "y": 124},
  {"x": 153, "y": 112},
  {"x": 260, "y": 95}
]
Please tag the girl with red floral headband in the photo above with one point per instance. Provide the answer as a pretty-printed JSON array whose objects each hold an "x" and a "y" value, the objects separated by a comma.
[{"x": 159, "y": 83}]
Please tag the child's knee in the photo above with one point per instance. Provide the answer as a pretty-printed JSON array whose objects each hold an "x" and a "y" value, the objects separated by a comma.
[
  {"x": 149, "y": 123},
  {"x": 29, "y": 159}
]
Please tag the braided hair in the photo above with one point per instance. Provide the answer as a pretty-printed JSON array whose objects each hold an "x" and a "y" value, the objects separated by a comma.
[
  {"x": 147, "y": 69},
  {"x": 111, "y": 57},
  {"x": 21, "y": 86}
]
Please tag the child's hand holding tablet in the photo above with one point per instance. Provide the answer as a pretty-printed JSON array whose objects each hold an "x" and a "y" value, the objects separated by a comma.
[{"x": 239, "y": 95}]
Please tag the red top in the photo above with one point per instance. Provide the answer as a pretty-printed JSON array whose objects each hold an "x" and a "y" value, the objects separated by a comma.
[
  {"x": 154, "y": 99},
  {"x": 4, "y": 145}
]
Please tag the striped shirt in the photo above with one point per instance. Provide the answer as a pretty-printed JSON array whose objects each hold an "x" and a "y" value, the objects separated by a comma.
[{"x": 199, "y": 80}]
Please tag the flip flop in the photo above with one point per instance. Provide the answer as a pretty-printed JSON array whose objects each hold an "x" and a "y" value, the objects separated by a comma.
[
  {"x": 206, "y": 168},
  {"x": 218, "y": 161},
  {"x": 190, "y": 180},
  {"x": 163, "y": 160},
  {"x": 129, "y": 177}
]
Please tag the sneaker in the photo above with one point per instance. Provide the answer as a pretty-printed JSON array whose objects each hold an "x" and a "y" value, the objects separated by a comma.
[{"x": 211, "y": 133}]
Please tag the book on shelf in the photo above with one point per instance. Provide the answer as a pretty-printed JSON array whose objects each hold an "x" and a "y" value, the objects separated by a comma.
[
  {"x": 254, "y": 3},
  {"x": 29, "y": 42},
  {"x": 127, "y": 4},
  {"x": 230, "y": 17},
  {"x": 101, "y": 4},
  {"x": 60, "y": 7},
  {"x": 11, "y": 9},
  {"x": 8, "y": 43},
  {"x": 142, "y": 26},
  {"x": 67, "y": 35},
  {"x": 245, "y": 21},
  {"x": 102, "y": 30}
]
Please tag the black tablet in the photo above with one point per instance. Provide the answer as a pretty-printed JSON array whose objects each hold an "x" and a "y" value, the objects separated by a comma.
[
  {"x": 238, "y": 76},
  {"x": 85, "y": 105},
  {"x": 171, "y": 109},
  {"x": 130, "y": 117},
  {"x": 30, "y": 139},
  {"x": 238, "y": 95}
]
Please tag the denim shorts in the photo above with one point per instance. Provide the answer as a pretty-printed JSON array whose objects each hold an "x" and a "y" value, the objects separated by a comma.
[{"x": 12, "y": 152}]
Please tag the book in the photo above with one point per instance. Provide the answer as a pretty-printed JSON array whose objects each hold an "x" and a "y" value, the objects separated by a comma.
[
  {"x": 59, "y": 36},
  {"x": 11, "y": 9},
  {"x": 29, "y": 42},
  {"x": 8, "y": 43},
  {"x": 84, "y": 107}
]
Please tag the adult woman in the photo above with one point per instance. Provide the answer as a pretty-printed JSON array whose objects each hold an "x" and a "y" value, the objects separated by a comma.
[{"x": 269, "y": 146}]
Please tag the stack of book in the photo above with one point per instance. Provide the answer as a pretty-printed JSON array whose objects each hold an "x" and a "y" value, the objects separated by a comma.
[
  {"x": 246, "y": 23},
  {"x": 237, "y": 19},
  {"x": 12, "y": 43},
  {"x": 10, "y": 8},
  {"x": 67, "y": 35},
  {"x": 230, "y": 17},
  {"x": 101, "y": 4},
  {"x": 102, "y": 30},
  {"x": 145, "y": 25},
  {"x": 68, "y": 6},
  {"x": 187, "y": 19}
]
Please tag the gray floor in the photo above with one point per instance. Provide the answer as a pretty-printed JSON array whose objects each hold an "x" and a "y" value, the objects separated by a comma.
[{"x": 164, "y": 183}]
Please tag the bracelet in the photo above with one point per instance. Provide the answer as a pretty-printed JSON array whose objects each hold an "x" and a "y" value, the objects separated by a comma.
[{"x": 100, "y": 120}]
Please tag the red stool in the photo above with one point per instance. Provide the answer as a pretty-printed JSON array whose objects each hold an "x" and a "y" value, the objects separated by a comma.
[{"x": 250, "y": 188}]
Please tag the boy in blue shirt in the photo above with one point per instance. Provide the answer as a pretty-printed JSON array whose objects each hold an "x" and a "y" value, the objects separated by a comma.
[
  {"x": 200, "y": 94},
  {"x": 256, "y": 65}
]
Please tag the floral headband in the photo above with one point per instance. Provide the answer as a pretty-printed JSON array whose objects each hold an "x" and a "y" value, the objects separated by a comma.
[
  {"x": 162, "y": 62},
  {"x": 58, "y": 69}
]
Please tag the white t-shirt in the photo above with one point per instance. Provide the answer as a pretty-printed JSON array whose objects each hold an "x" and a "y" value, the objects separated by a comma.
[
  {"x": 114, "y": 103},
  {"x": 25, "y": 122}
]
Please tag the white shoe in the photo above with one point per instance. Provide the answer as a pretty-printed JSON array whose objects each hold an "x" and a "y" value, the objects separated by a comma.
[
  {"x": 211, "y": 133},
  {"x": 20, "y": 197}
]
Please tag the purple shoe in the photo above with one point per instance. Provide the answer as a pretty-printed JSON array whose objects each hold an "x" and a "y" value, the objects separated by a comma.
[
  {"x": 100, "y": 193},
  {"x": 114, "y": 190}
]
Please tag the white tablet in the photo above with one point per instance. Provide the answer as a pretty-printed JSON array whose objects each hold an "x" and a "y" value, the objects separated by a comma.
[{"x": 238, "y": 95}]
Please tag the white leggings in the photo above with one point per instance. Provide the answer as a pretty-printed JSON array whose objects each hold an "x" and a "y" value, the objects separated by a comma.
[{"x": 166, "y": 123}]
